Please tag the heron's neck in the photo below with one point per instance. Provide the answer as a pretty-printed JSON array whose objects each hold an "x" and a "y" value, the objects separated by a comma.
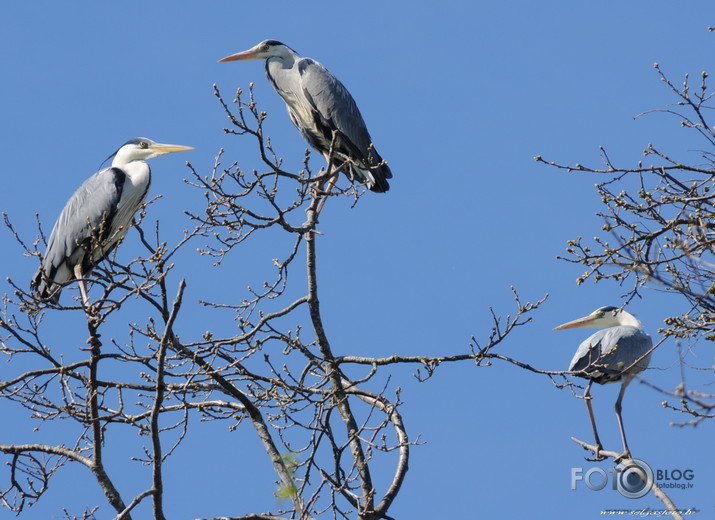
[
  {"x": 137, "y": 171},
  {"x": 628, "y": 319},
  {"x": 284, "y": 60}
]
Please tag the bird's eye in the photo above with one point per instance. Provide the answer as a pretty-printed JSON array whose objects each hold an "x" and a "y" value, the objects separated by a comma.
[{"x": 143, "y": 144}]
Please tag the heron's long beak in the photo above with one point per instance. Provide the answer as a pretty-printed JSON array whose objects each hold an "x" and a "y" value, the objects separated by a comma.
[
  {"x": 162, "y": 149},
  {"x": 250, "y": 54},
  {"x": 579, "y": 323}
]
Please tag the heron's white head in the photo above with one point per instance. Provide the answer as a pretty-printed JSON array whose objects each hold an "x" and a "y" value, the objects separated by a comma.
[
  {"x": 602, "y": 318},
  {"x": 141, "y": 148},
  {"x": 264, "y": 50}
]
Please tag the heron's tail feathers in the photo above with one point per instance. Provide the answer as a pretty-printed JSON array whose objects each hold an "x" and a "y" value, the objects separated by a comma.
[
  {"x": 48, "y": 285},
  {"x": 380, "y": 176},
  {"x": 374, "y": 177}
]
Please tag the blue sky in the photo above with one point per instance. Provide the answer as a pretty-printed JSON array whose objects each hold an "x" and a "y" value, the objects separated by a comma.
[{"x": 459, "y": 98}]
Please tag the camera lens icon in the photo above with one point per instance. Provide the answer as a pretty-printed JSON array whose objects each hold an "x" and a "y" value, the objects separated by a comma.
[{"x": 634, "y": 478}]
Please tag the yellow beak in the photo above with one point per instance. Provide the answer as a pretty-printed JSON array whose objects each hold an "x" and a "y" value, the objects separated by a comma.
[
  {"x": 581, "y": 322},
  {"x": 162, "y": 149},
  {"x": 250, "y": 54}
]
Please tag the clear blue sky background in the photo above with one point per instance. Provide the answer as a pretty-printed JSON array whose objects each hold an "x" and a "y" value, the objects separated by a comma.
[{"x": 459, "y": 97}]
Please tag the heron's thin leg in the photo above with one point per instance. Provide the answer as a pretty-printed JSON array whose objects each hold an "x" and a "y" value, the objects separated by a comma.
[
  {"x": 587, "y": 398},
  {"x": 331, "y": 184},
  {"x": 82, "y": 288},
  {"x": 626, "y": 451}
]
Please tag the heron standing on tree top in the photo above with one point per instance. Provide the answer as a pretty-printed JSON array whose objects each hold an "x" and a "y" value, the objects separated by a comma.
[
  {"x": 615, "y": 354},
  {"x": 323, "y": 111},
  {"x": 97, "y": 217}
]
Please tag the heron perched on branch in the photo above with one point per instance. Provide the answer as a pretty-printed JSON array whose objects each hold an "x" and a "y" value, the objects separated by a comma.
[
  {"x": 615, "y": 354},
  {"x": 324, "y": 111},
  {"x": 97, "y": 217}
]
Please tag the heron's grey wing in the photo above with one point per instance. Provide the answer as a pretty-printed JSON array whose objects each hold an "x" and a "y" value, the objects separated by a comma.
[
  {"x": 87, "y": 214},
  {"x": 605, "y": 355},
  {"x": 336, "y": 109},
  {"x": 335, "y": 105}
]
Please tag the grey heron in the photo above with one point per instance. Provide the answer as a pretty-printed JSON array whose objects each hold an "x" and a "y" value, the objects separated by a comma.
[
  {"x": 97, "y": 216},
  {"x": 323, "y": 111},
  {"x": 615, "y": 354}
]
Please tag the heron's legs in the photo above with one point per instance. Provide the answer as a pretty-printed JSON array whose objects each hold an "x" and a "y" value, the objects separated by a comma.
[
  {"x": 587, "y": 398},
  {"x": 331, "y": 184},
  {"x": 626, "y": 452},
  {"x": 82, "y": 288}
]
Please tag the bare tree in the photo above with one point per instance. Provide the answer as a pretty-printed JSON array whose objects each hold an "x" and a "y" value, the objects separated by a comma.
[
  {"x": 322, "y": 419},
  {"x": 659, "y": 231}
]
